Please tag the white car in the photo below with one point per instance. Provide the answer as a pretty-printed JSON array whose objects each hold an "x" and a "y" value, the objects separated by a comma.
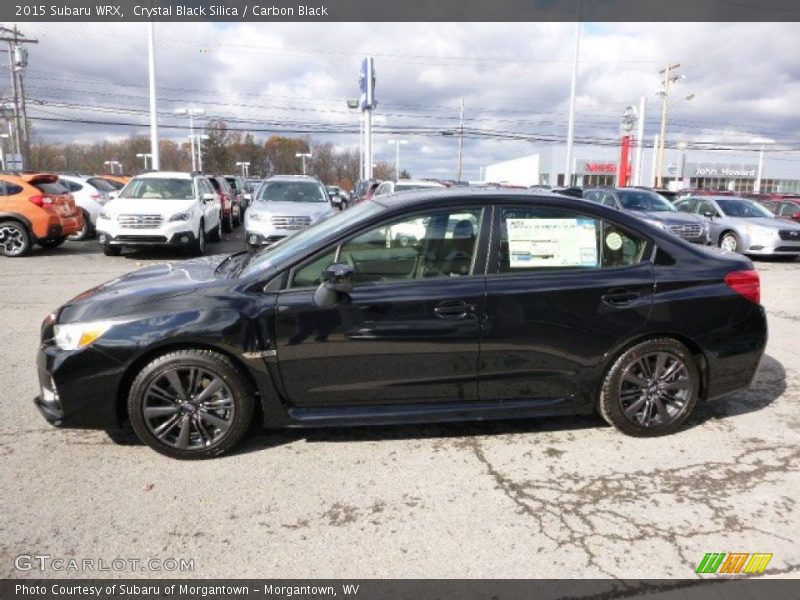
[
  {"x": 91, "y": 194},
  {"x": 284, "y": 205},
  {"x": 161, "y": 209},
  {"x": 402, "y": 185}
]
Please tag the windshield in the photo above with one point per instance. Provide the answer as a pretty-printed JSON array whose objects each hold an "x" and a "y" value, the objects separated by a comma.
[
  {"x": 157, "y": 188},
  {"x": 297, "y": 243},
  {"x": 644, "y": 201},
  {"x": 290, "y": 191},
  {"x": 745, "y": 209}
]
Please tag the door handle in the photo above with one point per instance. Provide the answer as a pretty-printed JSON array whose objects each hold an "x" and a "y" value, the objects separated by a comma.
[
  {"x": 452, "y": 309},
  {"x": 619, "y": 297}
]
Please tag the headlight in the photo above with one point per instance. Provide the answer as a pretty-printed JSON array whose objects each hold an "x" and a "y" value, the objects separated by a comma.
[
  {"x": 72, "y": 336},
  {"x": 184, "y": 216},
  {"x": 103, "y": 215}
]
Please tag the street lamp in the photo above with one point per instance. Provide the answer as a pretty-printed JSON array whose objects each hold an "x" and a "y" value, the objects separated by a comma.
[
  {"x": 397, "y": 144},
  {"x": 145, "y": 156},
  {"x": 191, "y": 112},
  {"x": 245, "y": 168},
  {"x": 198, "y": 138},
  {"x": 304, "y": 156},
  {"x": 113, "y": 163}
]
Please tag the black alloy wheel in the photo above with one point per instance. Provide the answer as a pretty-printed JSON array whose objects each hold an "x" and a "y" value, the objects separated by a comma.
[
  {"x": 651, "y": 389},
  {"x": 191, "y": 404}
]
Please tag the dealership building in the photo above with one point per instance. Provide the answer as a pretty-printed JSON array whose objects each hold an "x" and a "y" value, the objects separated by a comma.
[{"x": 599, "y": 166}]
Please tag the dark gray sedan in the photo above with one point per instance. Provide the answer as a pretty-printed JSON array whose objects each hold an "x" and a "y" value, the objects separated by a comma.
[
  {"x": 655, "y": 209},
  {"x": 744, "y": 226}
]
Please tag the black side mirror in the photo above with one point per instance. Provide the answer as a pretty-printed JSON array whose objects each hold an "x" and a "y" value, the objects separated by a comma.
[{"x": 337, "y": 280}]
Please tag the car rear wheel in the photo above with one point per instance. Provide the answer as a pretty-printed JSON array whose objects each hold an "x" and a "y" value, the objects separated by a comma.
[
  {"x": 84, "y": 232},
  {"x": 729, "y": 241},
  {"x": 216, "y": 234},
  {"x": 52, "y": 243},
  {"x": 191, "y": 404},
  {"x": 651, "y": 389},
  {"x": 15, "y": 239}
]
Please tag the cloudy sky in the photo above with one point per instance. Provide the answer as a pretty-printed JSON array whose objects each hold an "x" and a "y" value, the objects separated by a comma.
[{"x": 514, "y": 79}]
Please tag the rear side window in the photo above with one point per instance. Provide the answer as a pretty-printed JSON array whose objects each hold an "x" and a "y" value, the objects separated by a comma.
[
  {"x": 101, "y": 184},
  {"x": 9, "y": 189},
  {"x": 232, "y": 182},
  {"x": 546, "y": 239},
  {"x": 53, "y": 189}
]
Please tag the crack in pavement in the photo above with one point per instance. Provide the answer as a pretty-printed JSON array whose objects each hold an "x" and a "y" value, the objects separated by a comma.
[{"x": 582, "y": 505}]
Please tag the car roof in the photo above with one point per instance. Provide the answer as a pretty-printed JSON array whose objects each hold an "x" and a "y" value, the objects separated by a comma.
[
  {"x": 431, "y": 184},
  {"x": 411, "y": 198},
  {"x": 165, "y": 174}
]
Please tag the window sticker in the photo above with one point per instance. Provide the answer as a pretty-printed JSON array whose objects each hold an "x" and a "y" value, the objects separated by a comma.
[
  {"x": 614, "y": 241},
  {"x": 552, "y": 243}
]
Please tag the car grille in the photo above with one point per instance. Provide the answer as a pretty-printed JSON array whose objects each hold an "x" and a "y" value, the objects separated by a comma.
[
  {"x": 140, "y": 221},
  {"x": 291, "y": 223},
  {"x": 790, "y": 235},
  {"x": 687, "y": 231}
]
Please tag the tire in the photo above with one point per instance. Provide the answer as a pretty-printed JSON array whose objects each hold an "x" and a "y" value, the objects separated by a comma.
[
  {"x": 730, "y": 241},
  {"x": 112, "y": 250},
  {"x": 227, "y": 224},
  {"x": 344, "y": 205},
  {"x": 238, "y": 219},
  {"x": 216, "y": 235},
  {"x": 635, "y": 404},
  {"x": 179, "y": 422},
  {"x": 15, "y": 239},
  {"x": 52, "y": 243},
  {"x": 198, "y": 247},
  {"x": 84, "y": 233}
]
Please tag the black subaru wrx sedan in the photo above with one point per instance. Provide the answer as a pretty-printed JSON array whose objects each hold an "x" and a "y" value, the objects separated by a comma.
[{"x": 425, "y": 306}]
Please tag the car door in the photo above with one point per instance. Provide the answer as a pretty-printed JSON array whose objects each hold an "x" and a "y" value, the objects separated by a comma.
[
  {"x": 410, "y": 330},
  {"x": 563, "y": 289}
]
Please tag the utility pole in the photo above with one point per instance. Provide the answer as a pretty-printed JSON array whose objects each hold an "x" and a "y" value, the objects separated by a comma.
[
  {"x": 572, "y": 93},
  {"x": 670, "y": 77},
  {"x": 303, "y": 156},
  {"x": 460, "y": 142},
  {"x": 640, "y": 142},
  {"x": 18, "y": 60}
]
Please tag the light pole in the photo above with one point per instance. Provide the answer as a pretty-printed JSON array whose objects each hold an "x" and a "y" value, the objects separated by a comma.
[
  {"x": 397, "y": 144},
  {"x": 670, "y": 78},
  {"x": 759, "y": 173},
  {"x": 245, "y": 166},
  {"x": 145, "y": 156},
  {"x": 199, "y": 139},
  {"x": 304, "y": 156},
  {"x": 572, "y": 93},
  {"x": 151, "y": 50},
  {"x": 191, "y": 112},
  {"x": 3, "y": 136},
  {"x": 113, "y": 163},
  {"x": 353, "y": 105},
  {"x": 682, "y": 163}
]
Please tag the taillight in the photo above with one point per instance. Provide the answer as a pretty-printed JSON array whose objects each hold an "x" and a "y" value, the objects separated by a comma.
[
  {"x": 746, "y": 283},
  {"x": 41, "y": 200}
]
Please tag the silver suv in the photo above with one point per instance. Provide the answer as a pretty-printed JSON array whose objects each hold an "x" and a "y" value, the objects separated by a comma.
[{"x": 284, "y": 205}]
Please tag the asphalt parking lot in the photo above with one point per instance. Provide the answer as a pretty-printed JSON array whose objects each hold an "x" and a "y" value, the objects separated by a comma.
[{"x": 566, "y": 497}]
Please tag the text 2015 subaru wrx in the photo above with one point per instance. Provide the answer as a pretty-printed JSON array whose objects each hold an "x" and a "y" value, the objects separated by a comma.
[{"x": 504, "y": 304}]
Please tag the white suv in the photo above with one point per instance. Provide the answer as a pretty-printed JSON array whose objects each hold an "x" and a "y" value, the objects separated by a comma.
[
  {"x": 161, "y": 209},
  {"x": 91, "y": 194}
]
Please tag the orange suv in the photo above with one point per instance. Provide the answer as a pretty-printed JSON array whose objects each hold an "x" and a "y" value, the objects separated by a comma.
[{"x": 35, "y": 208}]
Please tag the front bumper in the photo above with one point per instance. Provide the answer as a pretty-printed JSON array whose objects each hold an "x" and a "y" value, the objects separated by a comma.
[
  {"x": 78, "y": 388},
  {"x": 773, "y": 247},
  {"x": 154, "y": 238},
  {"x": 256, "y": 239}
]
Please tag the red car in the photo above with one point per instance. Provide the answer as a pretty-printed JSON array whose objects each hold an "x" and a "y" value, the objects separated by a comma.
[
  {"x": 785, "y": 206},
  {"x": 231, "y": 206}
]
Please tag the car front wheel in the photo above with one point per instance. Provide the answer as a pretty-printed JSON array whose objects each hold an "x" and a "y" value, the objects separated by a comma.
[
  {"x": 729, "y": 241},
  {"x": 651, "y": 389},
  {"x": 191, "y": 404}
]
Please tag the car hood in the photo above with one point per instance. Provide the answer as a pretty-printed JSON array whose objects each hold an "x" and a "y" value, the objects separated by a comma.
[
  {"x": 293, "y": 209},
  {"x": 766, "y": 222},
  {"x": 669, "y": 217},
  {"x": 147, "y": 206},
  {"x": 152, "y": 284}
]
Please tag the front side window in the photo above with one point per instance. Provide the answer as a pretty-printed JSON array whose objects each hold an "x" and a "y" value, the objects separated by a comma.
[
  {"x": 430, "y": 245},
  {"x": 542, "y": 239},
  {"x": 707, "y": 208},
  {"x": 158, "y": 188},
  {"x": 745, "y": 209}
]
